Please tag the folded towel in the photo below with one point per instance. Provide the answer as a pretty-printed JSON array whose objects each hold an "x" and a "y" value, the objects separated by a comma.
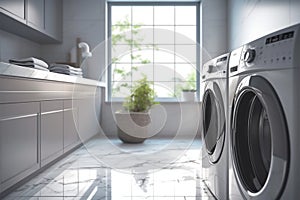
[
  {"x": 63, "y": 66},
  {"x": 29, "y": 60},
  {"x": 35, "y": 66},
  {"x": 64, "y": 71}
]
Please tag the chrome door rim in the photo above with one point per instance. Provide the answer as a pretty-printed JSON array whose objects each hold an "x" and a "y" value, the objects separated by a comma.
[
  {"x": 273, "y": 183},
  {"x": 212, "y": 103}
]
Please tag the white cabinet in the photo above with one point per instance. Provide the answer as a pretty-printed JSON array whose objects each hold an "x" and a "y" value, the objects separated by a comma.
[
  {"x": 53, "y": 18},
  {"x": 89, "y": 113},
  {"x": 37, "y": 20},
  {"x": 15, "y": 8},
  {"x": 51, "y": 130},
  {"x": 18, "y": 141},
  {"x": 36, "y": 14},
  {"x": 71, "y": 137}
]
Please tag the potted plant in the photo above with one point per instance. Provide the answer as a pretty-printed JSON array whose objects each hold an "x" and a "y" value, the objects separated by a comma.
[
  {"x": 188, "y": 92},
  {"x": 133, "y": 122}
]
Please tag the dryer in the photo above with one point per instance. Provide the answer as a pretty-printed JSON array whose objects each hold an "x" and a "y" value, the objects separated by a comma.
[
  {"x": 264, "y": 126},
  {"x": 214, "y": 136}
]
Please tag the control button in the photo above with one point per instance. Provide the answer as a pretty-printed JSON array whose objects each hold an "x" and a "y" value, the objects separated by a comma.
[
  {"x": 283, "y": 58},
  {"x": 249, "y": 55},
  {"x": 210, "y": 68}
]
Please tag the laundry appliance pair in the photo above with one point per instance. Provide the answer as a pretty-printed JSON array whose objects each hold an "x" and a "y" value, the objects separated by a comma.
[{"x": 259, "y": 157}]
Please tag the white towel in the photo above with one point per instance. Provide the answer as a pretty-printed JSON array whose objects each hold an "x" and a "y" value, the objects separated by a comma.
[
  {"x": 29, "y": 60},
  {"x": 63, "y": 66},
  {"x": 66, "y": 71},
  {"x": 34, "y": 66}
]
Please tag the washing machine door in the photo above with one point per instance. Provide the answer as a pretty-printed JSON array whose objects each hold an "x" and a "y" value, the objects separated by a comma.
[
  {"x": 213, "y": 108},
  {"x": 259, "y": 140}
]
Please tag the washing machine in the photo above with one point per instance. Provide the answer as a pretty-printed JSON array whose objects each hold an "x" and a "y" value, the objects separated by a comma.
[
  {"x": 264, "y": 117},
  {"x": 214, "y": 136}
]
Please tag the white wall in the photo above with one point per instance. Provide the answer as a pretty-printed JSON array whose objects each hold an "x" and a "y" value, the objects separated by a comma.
[
  {"x": 249, "y": 20},
  {"x": 213, "y": 28},
  {"x": 12, "y": 46}
]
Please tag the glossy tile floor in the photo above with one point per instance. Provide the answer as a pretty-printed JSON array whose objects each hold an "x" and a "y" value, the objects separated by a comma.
[{"x": 110, "y": 170}]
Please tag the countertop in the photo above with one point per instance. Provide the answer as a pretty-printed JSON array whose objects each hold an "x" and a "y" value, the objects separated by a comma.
[{"x": 11, "y": 70}]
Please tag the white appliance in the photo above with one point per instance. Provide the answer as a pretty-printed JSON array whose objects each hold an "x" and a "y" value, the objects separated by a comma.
[
  {"x": 214, "y": 136},
  {"x": 264, "y": 125}
]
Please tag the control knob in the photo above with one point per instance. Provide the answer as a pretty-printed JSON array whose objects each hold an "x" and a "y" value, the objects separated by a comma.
[{"x": 249, "y": 55}]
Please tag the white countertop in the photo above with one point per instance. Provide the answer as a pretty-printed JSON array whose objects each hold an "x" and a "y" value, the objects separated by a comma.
[{"x": 11, "y": 70}]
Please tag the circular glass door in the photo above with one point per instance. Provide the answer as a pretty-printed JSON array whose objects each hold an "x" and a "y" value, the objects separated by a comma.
[
  {"x": 213, "y": 122},
  {"x": 258, "y": 132}
]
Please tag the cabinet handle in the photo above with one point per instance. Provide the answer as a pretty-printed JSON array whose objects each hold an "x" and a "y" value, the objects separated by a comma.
[
  {"x": 51, "y": 112},
  {"x": 19, "y": 117}
]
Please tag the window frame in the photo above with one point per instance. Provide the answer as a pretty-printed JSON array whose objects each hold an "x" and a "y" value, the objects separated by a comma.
[{"x": 151, "y": 3}]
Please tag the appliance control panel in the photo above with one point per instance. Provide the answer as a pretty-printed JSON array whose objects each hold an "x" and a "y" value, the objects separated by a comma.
[
  {"x": 272, "y": 51},
  {"x": 215, "y": 68}
]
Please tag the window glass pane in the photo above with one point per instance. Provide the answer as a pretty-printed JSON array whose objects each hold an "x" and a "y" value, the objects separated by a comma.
[
  {"x": 118, "y": 53},
  {"x": 164, "y": 54},
  {"x": 164, "y": 89},
  {"x": 120, "y": 89},
  {"x": 186, "y": 52},
  {"x": 120, "y": 34},
  {"x": 185, "y": 35},
  {"x": 164, "y": 34},
  {"x": 185, "y": 15},
  {"x": 139, "y": 70},
  {"x": 185, "y": 72},
  {"x": 142, "y": 15},
  {"x": 120, "y": 14},
  {"x": 142, "y": 34},
  {"x": 143, "y": 54},
  {"x": 121, "y": 72},
  {"x": 164, "y": 15},
  {"x": 122, "y": 58},
  {"x": 163, "y": 72}
]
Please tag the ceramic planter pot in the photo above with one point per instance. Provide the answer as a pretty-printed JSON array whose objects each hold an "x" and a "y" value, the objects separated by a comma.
[
  {"x": 189, "y": 95},
  {"x": 132, "y": 126}
]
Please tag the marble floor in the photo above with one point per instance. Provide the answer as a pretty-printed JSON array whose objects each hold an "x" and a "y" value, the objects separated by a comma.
[{"x": 158, "y": 169}]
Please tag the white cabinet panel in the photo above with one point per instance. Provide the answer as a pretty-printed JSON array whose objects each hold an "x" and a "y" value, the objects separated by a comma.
[
  {"x": 51, "y": 130},
  {"x": 36, "y": 13},
  {"x": 71, "y": 138},
  {"x": 18, "y": 141},
  {"x": 14, "y": 7},
  {"x": 53, "y": 18}
]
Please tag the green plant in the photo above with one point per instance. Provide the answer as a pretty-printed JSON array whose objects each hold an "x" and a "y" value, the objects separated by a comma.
[
  {"x": 120, "y": 34},
  {"x": 141, "y": 98},
  {"x": 189, "y": 84}
]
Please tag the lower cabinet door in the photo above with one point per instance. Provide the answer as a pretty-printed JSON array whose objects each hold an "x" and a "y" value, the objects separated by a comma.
[
  {"x": 51, "y": 131},
  {"x": 18, "y": 142},
  {"x": 71, "y": 137}
]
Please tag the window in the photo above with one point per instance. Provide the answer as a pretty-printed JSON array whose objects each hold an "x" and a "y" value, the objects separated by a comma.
[{"x": 156, "y": 40}]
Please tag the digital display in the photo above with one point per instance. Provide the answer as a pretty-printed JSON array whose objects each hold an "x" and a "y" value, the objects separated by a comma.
[
  {"x": 280, "y": 37},
  {"x": 222, "y": 59}
]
